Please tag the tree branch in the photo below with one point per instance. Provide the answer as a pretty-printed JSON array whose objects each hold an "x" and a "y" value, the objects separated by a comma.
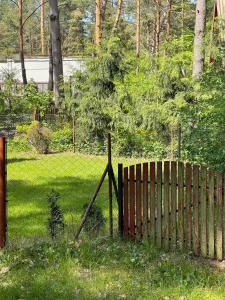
[
  {"x": 33, "y": 12},
  {"x": 14, "y": 2}
]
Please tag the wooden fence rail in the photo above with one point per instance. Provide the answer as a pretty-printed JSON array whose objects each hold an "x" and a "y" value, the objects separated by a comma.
[{"x": 175, "y": 204}]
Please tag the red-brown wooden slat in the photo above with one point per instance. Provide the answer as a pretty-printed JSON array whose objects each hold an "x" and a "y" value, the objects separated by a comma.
[
  {"x": 152, "y": 200},
  {"x": 173, "y": 204},
  {"x": 125, "y": 214},
  {"x": 180, "y": 204},
  {"x": 145, "y": 199},
  {"x": 219, "y": 246},
  {"x": 166, "y": 224},
  {"x": 188, "y": 205},
  {"x": 159, "y": 205},
  {"x": 211, "y": 215},
  {"x": 203, "y": 212},
  {"x": 132, "y": 203},
  {"x": 196, "y": 210},
  {"x": 138, "y": 201},
  {"x": 223, "y": 219}
]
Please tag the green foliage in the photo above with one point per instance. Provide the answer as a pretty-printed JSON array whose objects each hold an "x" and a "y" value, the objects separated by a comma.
[
  {"x": 40, "y": 138},
  {"x": 36, "y": 100},
  {"x": 19, "y": 143},
  {"x": 23, "y": 128},
  {"x": 95, "y": 219},
  {"x": 56, "y": 220},
  {"x": 62, "y": 139}
]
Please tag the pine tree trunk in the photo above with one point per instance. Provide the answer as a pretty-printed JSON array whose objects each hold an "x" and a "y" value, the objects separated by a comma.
[
  {"x": 98, "y": 29},
  {"x": 21, "y": 42},
  {"x": 31, "y": 44},
  {"x": 42, "y": 27},
  {"x": 212, "y": 32},
  {"x": 138, "y": 27},
  {"x": 199, "y": 54},
  {"x": 158, "y": 21},
  {"x": 103, "y": 9},
  {"x": 56, "y": 51},
  {"x": 50, "y": 80},
  {"x": 118, "y": 15},
  {"x": 168, "y": 18}
]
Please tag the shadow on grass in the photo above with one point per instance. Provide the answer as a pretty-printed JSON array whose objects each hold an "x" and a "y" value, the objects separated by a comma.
[{"x": 21, "y": 159}]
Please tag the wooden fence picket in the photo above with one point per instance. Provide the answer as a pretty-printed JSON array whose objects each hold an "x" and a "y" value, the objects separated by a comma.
[
  {"x": 203, "y": 212},
  {"x": 166, "y": 223},
  {"x": 138, "y": 201},
  {"x": 145, "y": 199},
  {"x": 132, "y": 203},
  {"x": 173, "y": 203},
  {"x": 152, "y": 201},
  {"x": 211, "y": 214}
]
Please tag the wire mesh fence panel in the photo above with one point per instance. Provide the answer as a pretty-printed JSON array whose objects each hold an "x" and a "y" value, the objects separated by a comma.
[
  {"x": 32, "y": 175},
  {"x": 59, "y": 152}
]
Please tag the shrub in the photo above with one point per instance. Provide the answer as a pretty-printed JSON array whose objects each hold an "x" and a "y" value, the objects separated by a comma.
[
  {"x": 40, "y": 138},
  {"x": 23, "y": 128},
  {"x": 56, "y": 220},
  {"x": 19, "y": 143},
  {"x": 62, "y": 139},
  {"x": 95, "y": 219}
]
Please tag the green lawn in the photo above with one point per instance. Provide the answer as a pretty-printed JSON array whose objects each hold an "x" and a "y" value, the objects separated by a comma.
[
  {"x": 33, "y": 267},
  {"x": 31, "y": 177}
]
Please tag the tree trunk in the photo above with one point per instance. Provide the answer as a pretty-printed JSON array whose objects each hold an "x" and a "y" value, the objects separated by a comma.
[
  {"x": 21, "y": 42},
  {"x": 50, "y": 80},
  {"x": 212, "y": 32},
  {"x": 98, "y": 25},
  {"x": 168, "y": 19},
  {"x": 199, "y": 54},
  {"x": 158, "y": 21},
  {"x": 42, "y": 27},
  {"x": 31, "y": 44},
  {"x": 118, "y": 15},
  {"x": 103, "y": 9},
  {"x": 56, "y": 51},
  {"x": 138, "y": 27}
]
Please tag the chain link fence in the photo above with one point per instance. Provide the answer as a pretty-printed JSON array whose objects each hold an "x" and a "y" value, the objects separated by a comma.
[
  {"x": 55, "y": 158},
  {"x": 56, "y": 152}
]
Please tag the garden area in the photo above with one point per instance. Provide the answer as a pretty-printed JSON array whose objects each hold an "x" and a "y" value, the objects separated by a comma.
[{"x": 150, "y": 75}]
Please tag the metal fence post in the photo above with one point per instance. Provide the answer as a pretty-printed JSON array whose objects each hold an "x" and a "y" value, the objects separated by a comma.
[{"x": 3, "y": 220}]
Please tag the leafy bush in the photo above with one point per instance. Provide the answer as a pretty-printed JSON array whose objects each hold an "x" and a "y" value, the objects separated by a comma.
[
  {"x": 19, "y": 143},
  {"x": 23, "y": 128},
  {"x": 95, "y": 219},
  {"x": 62, "y": 139},
  {"x": 40, "y": 138},
  {"x": 56, "y": 220}
]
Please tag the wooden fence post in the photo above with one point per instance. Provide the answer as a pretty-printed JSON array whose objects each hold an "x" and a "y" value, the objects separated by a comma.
[
  {"x": 3, "y": 221},
  {"x": 120, "y": 199}
]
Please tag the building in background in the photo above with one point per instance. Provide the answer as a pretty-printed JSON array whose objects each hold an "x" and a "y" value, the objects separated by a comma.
[{"x": 37, "y": 69}]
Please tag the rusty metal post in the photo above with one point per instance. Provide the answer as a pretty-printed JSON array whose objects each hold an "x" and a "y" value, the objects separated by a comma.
[
  {"x": 3, "y": 220},
  {"x": 110, "y": 185}
]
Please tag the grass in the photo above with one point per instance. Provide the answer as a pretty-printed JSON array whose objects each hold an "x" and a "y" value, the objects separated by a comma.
[
  {"x": 33, "y": 267},
  {"x": 104, "y": 269}
]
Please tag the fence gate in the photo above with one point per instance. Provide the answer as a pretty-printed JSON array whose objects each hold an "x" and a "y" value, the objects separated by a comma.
[{"x": 174, "y": 204}]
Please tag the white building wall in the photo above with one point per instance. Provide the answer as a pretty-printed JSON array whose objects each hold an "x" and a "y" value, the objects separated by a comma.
[{"x": 37, "y": 69}]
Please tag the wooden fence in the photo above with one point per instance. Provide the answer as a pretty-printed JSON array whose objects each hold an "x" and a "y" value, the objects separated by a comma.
[
  {"x": 176, "y": 205},
  {"x": 3, "y": 220}
]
